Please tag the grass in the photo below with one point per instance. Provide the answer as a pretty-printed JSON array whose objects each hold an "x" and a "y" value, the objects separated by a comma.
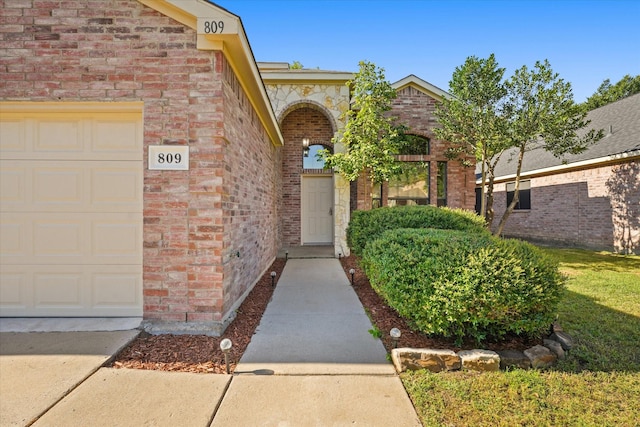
[{"x": 597, "y": 385}]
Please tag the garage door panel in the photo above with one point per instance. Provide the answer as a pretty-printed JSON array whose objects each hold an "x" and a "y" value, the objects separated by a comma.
[
  {"x": 119, "y": 186},
  {"x": 15, "y": 290},
  {"x": 60, "y": 290},
  {"x": 14, "y": 241},
  {"x": 13, "y": 184},
  {"x": 58, "y": 185},
  {"x": 116, "y": 289},
  {"x": 60, "y": 136},
  {"x": 72, "y": 136},
  {"x": 12, "y": 136},
  {"x": 118, "y": 238},
  {"x": 115, "y": 136},
  {"x": 71, "y": 290},
  {"x": 71, "y": 186},
  {"x": 59, "y": 238}
]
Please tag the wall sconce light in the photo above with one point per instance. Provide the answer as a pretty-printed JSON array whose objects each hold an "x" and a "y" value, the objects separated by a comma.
[{"x": 305, "y": 147}]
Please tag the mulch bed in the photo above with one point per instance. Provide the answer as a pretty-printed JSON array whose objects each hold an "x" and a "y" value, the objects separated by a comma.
[{"x": 202, "y": 354}]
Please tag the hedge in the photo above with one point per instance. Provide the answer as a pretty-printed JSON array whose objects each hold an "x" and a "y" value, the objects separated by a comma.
[
  {"x": 464, "y": 285},
  {"x": 365, "y": 226}
]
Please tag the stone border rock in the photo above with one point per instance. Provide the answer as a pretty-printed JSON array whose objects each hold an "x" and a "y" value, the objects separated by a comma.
[{"x": 438, "y": 360}]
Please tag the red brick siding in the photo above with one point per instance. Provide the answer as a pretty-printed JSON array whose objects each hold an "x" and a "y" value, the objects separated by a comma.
[
  {"x": 415, "y": 109},
  {"x": 580, "y": 209},
  {"x": 304, "y": 122},
  {"x": 123, "y": 51}
]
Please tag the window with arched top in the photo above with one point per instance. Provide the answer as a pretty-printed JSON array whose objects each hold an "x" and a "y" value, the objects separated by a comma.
[
  {"x": 415, "y": 145},
  {"x": 311, "y": 158}
]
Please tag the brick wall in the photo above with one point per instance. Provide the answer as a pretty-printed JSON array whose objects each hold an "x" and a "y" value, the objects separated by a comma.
[
  {"x": 300, "y": 123},
  {"x": 415, "y": 109},
  {"x": 596, "y": 208},
  {"x": 196, "y": 220}
]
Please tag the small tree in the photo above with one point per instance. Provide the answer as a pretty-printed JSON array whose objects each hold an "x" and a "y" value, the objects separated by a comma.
[
  {"x": 471, "y": 120},
  {"x": 370, "y": 136},
  {"x": 540, "y": 111},
  {"x": 608, "y": 93}
]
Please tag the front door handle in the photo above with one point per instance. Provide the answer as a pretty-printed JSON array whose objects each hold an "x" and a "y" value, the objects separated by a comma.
[{"x": 330, "y": 211}]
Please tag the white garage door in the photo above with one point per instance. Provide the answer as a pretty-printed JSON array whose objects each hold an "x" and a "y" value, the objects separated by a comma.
[{"x": 71, "y": 179}]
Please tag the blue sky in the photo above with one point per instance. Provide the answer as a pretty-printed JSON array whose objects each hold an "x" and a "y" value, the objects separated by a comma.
[{"x": 585, "y": 41}]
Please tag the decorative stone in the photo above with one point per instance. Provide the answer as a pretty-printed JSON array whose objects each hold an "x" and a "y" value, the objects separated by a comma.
[
  {"x": 540, "y": 356},
  {"x": 412, "y": 359},
  {"x": 564, "y": 339},
  {"x": 555, "y": 327},
  {"x": 479, "y": 360},
  {"x": 555, "y": 347},
  {"x": 513, "y": 359}
]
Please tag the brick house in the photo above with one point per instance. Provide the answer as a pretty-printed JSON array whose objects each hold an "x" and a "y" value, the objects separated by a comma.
[
  {"x": 436, "y": 180},
  {"x": 151, "y": 168},
  {"x": 592, "y": 200}
]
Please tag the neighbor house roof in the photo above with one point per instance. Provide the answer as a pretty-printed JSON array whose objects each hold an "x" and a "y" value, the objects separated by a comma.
[
  {"x": 620, "y": 122},
  {"x": 231, "y": 40}
]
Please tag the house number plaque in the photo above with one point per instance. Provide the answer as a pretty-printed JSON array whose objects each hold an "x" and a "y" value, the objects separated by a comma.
[{"x": 169, "y": 157}]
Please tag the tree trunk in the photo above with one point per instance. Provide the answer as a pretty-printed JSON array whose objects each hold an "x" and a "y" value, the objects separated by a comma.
[{"x": 516, "y": 194}]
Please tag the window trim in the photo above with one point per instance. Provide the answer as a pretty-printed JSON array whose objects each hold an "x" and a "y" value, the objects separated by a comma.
[{"x": 524, "y": 198}]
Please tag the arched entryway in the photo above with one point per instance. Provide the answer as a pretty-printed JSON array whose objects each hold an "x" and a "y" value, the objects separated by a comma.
[{"x": 307, "y": 188}]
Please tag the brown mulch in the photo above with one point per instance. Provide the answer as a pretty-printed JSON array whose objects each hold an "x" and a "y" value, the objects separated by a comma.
[{"x": 202, "y": 354}]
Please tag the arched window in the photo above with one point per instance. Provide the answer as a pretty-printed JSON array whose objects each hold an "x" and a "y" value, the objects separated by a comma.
[
  {"x": 311, "y": 159},
  {"x": 415, "y": 145}
]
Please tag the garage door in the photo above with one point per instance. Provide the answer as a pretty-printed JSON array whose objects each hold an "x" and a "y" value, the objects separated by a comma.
[{"x": 71, "y": 178}]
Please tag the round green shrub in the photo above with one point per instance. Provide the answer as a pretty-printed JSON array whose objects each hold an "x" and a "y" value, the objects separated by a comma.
[
  {"x": 365, "y": 226},
  {"x": 462, "y": 285}
]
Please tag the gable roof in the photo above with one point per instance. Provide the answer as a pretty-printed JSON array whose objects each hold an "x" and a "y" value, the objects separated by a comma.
[
  {"x": 620, "y": 122},
  {"x": 232, "y": 42},
  {"x": 422, "y": 86}
]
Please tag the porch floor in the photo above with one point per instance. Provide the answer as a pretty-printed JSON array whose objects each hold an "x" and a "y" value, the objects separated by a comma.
[{"x": 307, "y": 251}]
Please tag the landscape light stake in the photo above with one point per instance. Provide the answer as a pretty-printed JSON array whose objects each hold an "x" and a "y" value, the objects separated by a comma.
[
  {"x": 273, "y": 279},
  {"x": 286, "y": 256},
  {"x": 225, "y": 346},
  {"x": 395, "y": 336},
  {"x": 352, "y": 272}
]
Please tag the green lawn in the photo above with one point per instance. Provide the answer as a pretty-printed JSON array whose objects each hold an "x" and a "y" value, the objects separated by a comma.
[{"x": 597, "y": 385}]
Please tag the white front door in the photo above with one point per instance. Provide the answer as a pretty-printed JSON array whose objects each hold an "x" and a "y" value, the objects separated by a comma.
[{"x": 317, "y": 210}]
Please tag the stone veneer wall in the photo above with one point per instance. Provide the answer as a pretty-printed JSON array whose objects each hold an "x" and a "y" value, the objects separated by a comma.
[
  {"x": 332, "y": 100},
  {"x": 194, "y": 221},
  {"x": 596, "y": 208}
]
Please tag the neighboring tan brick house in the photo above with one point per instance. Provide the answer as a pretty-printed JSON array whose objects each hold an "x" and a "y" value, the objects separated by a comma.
[
  {"x": 151, "y": 168},
  {"x": 592, "y": 200}
]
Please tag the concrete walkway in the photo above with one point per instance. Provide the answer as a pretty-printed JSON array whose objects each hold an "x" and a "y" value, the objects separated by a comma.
[{"x": 312, "y": 362}]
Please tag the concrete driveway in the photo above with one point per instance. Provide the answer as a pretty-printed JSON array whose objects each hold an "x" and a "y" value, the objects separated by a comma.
[{"x": 38, "y": 369}]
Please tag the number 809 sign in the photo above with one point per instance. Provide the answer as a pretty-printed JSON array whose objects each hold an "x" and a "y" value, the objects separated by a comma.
[{"x": 169, "y": 157}]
